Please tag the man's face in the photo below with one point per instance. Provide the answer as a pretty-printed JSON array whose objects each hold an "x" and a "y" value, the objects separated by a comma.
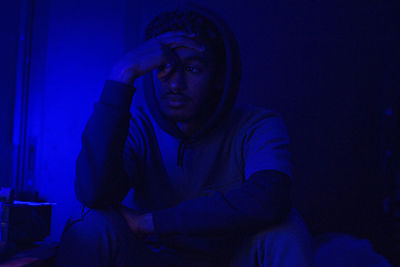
[{"x": 190, "y": 88}]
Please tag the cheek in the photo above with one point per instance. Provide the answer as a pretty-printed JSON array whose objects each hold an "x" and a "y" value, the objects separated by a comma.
[
  {"x": 159, "y": 87},
  {"x": 201, "y": 86}
]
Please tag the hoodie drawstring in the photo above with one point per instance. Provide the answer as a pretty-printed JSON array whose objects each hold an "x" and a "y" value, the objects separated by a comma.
[{"x": 181, "y": 151}]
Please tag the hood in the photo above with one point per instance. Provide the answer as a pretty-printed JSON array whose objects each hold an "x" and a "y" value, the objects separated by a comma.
[{"x": 231, "y": 87}]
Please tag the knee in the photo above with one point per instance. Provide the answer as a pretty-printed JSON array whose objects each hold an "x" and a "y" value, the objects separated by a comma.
[
  {"x": 285, "y": 244},
  {"x": 276, "y": 240},
  {"x": 288, "y": 235}
]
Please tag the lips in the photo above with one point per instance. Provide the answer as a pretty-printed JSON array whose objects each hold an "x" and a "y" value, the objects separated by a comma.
[{"x": 175, "y": 100}]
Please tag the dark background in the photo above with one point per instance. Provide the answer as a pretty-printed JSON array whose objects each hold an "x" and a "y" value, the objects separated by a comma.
[{"x": 329, "y": 67}]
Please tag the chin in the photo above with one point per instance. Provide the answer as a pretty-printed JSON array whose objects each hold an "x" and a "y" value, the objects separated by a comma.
[{"x": 177, "y": 115}]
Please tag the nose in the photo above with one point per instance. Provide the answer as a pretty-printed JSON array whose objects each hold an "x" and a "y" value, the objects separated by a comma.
[{"x": 176, "y": 81}]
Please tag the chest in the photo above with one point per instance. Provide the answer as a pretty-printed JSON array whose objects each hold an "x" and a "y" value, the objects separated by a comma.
[{"x": 188, "y": 170}]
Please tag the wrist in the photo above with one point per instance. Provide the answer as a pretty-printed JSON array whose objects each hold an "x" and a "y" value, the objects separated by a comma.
[
  {"x": 146, "y": 223},
  {"x": 124, "y": 75}
]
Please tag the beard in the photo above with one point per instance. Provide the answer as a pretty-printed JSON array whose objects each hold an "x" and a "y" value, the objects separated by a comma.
[
  {"x": 178, "y": 115},
  {"x": 195, "y": 115}
]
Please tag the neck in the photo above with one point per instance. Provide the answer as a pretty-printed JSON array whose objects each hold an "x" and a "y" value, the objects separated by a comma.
[
  {"x": 188, "y": 128},
  {"x": 192, "y": 126}
]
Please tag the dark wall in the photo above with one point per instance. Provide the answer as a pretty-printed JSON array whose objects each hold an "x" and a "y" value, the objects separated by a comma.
[
  {"x": 75, "y": 44},
  {"x": 324, "y": 66}
]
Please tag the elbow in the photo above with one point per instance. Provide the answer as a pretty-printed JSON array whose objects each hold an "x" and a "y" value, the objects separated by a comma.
[
  {"x": 280, "y": 204},
  {"x": 99, "y": 191},
  {"x": 87, "y": 190},
  {"x": 273, "y": 190},
  {"x": 87, "y": 196},
  {"x": 283, "y": 209},
  {"x": 276, "y": 212}
]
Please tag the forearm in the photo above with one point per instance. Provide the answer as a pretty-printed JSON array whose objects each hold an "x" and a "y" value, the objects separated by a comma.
[
  {"x": 140, "y": 224},
  {"x": 262, "y": 201},
  {"x": 100, "y": 179}
]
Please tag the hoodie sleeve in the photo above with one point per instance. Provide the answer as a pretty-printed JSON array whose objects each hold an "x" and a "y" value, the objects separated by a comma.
[
  {"x": 100, "y": 175},
  {"x": 262, "y": 200},
  {"x": 266, "y": 145}
]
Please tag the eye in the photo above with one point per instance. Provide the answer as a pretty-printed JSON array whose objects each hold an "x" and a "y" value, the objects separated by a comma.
[
  {"x": 164, "y": 67},
  {"x": 192, "y": 69},
  {"x": 160, "y": 68}
]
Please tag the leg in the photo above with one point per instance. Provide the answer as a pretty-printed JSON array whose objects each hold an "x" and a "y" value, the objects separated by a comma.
[
  {"x": 104, "y": 239},
  {"x": 284, "y": 245}
]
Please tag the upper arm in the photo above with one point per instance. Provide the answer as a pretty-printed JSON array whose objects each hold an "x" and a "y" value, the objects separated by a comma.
[{"x": 134, "y": 152}]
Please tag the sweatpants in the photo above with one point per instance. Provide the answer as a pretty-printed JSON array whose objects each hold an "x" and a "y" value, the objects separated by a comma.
[{"x": 103, "y": 238}]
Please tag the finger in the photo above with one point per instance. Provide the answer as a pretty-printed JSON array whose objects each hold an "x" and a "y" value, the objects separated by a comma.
[
  {"x": 176, "y": 42},
  {"x": 175, "y": 34},
  {"x": 169, "y": 61},
  {"x": 199, "y": 48},
  {"x": 170, "y": 36},
  {"x": 169, "y": 56}
]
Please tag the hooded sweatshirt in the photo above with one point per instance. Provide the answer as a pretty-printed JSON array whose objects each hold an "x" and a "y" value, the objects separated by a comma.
[{"x": 206, "y": 191}]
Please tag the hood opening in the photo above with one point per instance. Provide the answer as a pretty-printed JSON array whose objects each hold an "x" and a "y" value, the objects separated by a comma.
[{"x": 231, "y": 85}]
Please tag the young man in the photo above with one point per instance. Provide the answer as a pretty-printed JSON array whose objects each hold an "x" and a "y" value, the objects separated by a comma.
[{"x": 211, "y": 182}]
